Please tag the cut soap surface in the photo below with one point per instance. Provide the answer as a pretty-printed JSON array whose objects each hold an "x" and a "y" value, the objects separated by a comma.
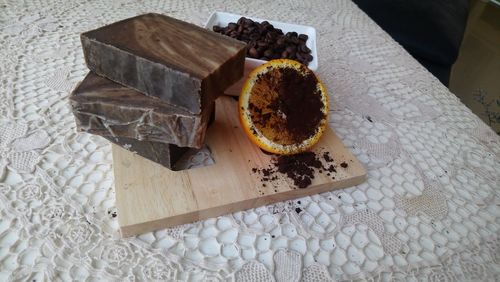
[
  {"x": 107, "y": 108},
  {"x": 178, "y": 62}
]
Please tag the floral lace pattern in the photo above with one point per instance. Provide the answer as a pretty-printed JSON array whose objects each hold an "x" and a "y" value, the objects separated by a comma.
[{"x": 430, "y": 208}]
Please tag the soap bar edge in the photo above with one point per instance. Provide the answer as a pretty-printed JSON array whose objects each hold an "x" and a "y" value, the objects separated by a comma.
[
  {"x": 94, "y": 62},
  {"x": 162, "y": 153}
]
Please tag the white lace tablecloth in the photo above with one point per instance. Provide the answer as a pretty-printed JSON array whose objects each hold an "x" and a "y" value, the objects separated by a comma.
[{"x": 429, "y": 209}]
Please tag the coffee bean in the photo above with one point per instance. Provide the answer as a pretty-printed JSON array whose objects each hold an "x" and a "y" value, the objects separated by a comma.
[
  {"x": 268, "y": 53},
  {"x": 248, "y": 22},
  {"x": 304, "y": 49},
  {"x": 216, "y": 28},
  {"x": 280, "y": 41},
  {"x": 276, "y": 56},
  {"x": 291, "y": 48},
  {"x": 232, "y": 26},
  {"x": 284, "y": 54},
  {"x": 241, "y": 20},
  {"x": 278, "y": 49},
  {"x": 254, "y": 36},
  {"x": 308, "y": 57},
  {"x": 262, "y": 44},
  {"x": 253, "y": 53},
  {"x": 303, "y": 37}
]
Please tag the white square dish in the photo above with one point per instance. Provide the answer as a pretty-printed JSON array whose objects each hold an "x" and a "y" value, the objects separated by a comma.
[{"x": 223, "y": 19}]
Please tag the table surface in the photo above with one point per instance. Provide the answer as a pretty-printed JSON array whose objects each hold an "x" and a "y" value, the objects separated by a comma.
[{"x": 429, "y": 210}]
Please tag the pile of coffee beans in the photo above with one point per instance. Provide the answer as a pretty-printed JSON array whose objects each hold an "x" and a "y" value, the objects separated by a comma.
[{"x": 265, "y": 42}]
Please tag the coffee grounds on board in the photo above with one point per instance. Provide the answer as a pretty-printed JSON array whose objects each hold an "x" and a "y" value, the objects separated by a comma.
[{"x": 299, "y": 168}]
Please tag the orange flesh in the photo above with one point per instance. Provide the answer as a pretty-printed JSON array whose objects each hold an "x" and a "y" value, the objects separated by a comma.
[
  {"x": 272, "y": 123},
  {"x": 266, "y": 120}
]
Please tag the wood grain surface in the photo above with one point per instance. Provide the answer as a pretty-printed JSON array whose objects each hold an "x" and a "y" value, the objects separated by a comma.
[{"x": 151, "y": 197}]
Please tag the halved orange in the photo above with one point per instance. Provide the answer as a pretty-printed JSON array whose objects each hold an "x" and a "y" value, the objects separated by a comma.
[{"x": 283, "y": 107}]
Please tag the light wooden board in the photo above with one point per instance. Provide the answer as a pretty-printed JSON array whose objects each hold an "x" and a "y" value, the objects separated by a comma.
[{"x": 151, "y": 197}]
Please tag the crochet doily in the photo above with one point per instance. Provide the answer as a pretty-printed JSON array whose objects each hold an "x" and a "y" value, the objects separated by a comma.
[{"x": 429, "y": 209}]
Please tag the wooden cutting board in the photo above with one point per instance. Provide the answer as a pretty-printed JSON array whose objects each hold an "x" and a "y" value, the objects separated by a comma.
[{"x": 151, "y": 197}]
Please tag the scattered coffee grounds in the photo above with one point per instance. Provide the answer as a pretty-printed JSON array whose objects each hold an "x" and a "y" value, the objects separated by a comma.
[
  {"x": 292, "y": 110},
  {"x": 113, "y": 214},
  {"x": 326, "y": 156},
  {"x": 344, "y": 165},
  {"x": 266, "y": 42},
  {"x": 331, "y": 168},
  {"x": 299, "y": 168}
]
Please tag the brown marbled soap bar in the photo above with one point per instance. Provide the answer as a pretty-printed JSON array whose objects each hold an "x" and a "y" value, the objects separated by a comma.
[
  {"x": 165, "y": 154},
  {"x": 106, "y": 108},
  {"x": 178, "y": 62}
]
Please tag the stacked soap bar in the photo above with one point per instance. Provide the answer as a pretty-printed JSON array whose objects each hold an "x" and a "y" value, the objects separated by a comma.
[
  {"x": 153, "y": 83},
  {"x": 180, "y": 63},
  {"x": 106, "y": 108}
]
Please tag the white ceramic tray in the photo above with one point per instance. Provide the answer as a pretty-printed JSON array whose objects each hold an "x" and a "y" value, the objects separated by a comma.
[{"x": 223, "y": 19}]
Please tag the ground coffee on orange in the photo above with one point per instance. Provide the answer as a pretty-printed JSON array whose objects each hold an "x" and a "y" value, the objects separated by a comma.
[
  {"x": 287, "y": 112},
  {"x": 300, "y": 103}
]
